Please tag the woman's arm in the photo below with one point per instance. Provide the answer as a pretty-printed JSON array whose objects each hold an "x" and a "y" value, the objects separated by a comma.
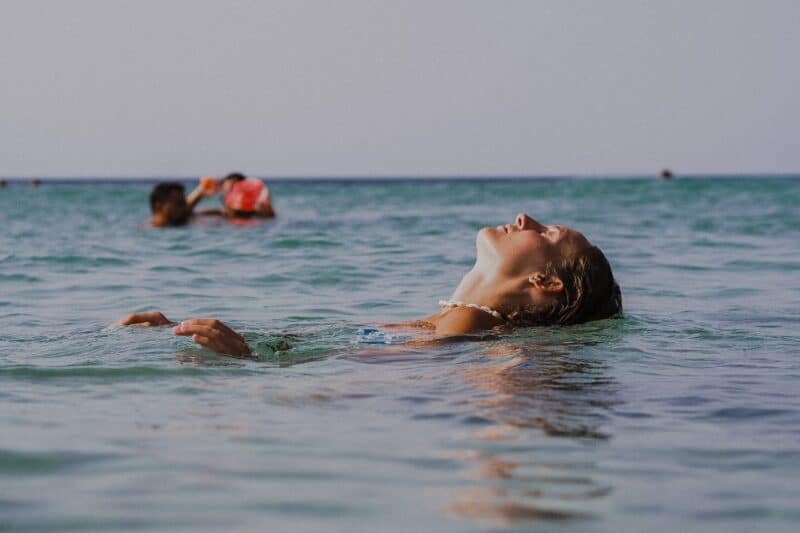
[{"x": 207, "y": 187}]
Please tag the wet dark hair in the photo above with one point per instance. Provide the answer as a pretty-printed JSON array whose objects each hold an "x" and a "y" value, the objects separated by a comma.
[
  {"x": 590, "y": 293},
  {"x": 162, "y": 193},
  {"x": 243, "y": 214},
  {"x": 234, "y": 176}
]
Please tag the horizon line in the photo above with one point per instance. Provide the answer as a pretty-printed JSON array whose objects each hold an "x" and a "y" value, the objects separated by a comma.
[{"x": 400, "y": 177}]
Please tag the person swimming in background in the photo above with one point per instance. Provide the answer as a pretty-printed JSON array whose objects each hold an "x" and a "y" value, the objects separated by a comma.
[
  {"x": 170, "y": 206},
  {"x": 525, "y": 274},
  {"x": 242, "y": 197}
]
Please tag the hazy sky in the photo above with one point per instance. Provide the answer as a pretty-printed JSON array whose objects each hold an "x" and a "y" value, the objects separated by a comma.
[{"x": 130, "y": 88}]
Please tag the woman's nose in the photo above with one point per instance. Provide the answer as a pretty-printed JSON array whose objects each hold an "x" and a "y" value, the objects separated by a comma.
[{"x": 525, "y": 222}]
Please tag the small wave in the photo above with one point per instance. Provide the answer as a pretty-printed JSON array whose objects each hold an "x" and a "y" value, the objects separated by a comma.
[
  {"x": 125, "y": 373},
  {"x": 15, "y": 463},
  {"x": 292, "y": 244},
  {"x": 172, "y": 268},
  {"x": 79, "y": 260},
  {"x": 761, "y": 265},
  {"x": 744, "y": 413},
  {"x": 16, "y": 278}
]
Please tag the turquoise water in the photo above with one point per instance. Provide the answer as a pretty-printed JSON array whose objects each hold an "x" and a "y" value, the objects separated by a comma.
[{"x": 683, "y": 415}]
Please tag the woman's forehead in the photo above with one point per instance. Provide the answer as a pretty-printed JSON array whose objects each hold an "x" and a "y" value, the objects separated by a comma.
[{"x": 573, "y": 238}]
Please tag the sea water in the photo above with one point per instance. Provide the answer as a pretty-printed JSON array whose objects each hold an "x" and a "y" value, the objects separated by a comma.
[{"x": 682, "y": 415}]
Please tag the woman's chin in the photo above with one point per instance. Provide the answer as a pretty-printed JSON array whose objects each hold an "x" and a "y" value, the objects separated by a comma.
[
  {"x": 485, "y": 243},
  {"x": 490, "y": 234}
]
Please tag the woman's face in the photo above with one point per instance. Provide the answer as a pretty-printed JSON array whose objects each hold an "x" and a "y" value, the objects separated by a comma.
[
  {"x": 511, "y": 254},
  {"x": 526, "y": 246}
]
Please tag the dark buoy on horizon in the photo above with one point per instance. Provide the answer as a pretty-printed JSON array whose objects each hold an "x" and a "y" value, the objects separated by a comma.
[
  {"x": 2, "y": 183},
  {"x": 666, "y": 174},
  {"x": 35, "y": 182}
]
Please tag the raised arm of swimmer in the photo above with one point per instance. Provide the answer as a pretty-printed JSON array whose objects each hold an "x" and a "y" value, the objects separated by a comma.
[{"x": 525, "y": 274}]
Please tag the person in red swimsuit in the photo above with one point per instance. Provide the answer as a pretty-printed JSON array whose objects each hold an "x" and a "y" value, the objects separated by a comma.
[{"x": 242, "y": 197}]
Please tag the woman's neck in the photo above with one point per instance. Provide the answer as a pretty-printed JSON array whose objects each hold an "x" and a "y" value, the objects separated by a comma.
[{"x": 474, "y": 289}]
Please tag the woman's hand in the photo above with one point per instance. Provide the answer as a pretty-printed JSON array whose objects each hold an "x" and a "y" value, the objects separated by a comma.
[
  {"x": 146, "y": 319},
  {"x": 214, "y": 335},
  {"x": 207, "y": 332}
]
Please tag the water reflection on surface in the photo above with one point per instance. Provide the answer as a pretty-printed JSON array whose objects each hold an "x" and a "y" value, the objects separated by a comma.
[
  {"x": 529, "y": 413},
  {"x": 537, "y": 399}
]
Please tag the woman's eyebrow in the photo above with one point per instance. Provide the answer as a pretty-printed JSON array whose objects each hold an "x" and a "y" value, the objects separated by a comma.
[{"x": 562, "y": 232}]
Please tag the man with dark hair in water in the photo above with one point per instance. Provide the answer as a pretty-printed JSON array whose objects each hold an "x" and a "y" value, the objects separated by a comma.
[{"x": 169, "y": 205}]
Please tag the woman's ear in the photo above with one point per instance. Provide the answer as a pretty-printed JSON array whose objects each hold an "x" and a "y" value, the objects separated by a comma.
[{"x": 551, "y": 283}]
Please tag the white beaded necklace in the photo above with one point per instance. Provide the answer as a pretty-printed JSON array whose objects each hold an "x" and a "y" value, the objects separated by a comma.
[{"x": 485, "y": 309}]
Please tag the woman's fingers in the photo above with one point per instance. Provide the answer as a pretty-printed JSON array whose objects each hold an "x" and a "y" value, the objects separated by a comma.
[
  {"x": 148, "y": 318},
  {"x": 216, "y": 340},
  {"x": 202, "y": 341},
  {"x": 187, "y": 330},
  {"x": 214, "y": 335},
  {"x": 212, "y": 323},
  {"x": 223, "y": 346}
]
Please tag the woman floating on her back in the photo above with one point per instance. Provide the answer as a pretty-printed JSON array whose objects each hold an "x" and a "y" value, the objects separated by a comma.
[{"x": 525, "y": 274}]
